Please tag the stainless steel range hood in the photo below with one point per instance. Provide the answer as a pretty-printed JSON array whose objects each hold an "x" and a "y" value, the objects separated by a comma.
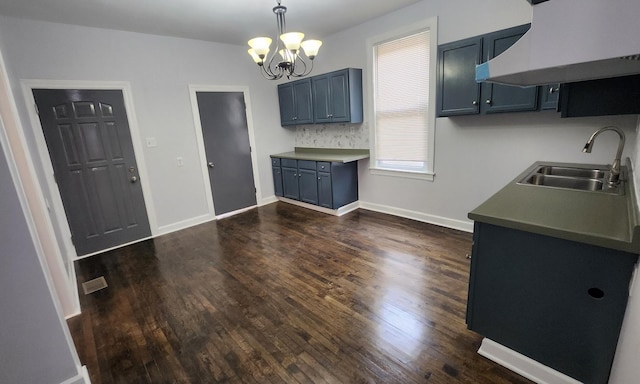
[{"x": 571, "y": 40}]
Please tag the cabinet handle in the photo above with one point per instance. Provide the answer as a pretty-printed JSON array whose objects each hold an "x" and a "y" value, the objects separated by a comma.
[
  {"x": 488, "y": 101},
  {"x": 553, "y": 90},
  {"x": 295, "y": 118},
  {"x": 474, "y": 102},
  {"x": 318, "y": 178}
]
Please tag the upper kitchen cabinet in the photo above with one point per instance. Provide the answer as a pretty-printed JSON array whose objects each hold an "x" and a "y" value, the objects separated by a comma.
[
  {"x": 549, "y": 96},
  {"x": 612, "y": 96},
  {"x": 505, "y": 98},
  {"x": 459, "y": 93},
  {"x": 295, "y": 102},
  {"x": 337, "y": 97},
  {"x": 334, "y": 97}
]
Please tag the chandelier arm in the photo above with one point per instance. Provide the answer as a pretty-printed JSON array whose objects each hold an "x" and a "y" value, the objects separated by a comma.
[{"x": 306, "y": 68}]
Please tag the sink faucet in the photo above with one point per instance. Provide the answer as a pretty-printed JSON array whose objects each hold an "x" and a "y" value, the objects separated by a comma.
[{"x": 614, "y": 175}]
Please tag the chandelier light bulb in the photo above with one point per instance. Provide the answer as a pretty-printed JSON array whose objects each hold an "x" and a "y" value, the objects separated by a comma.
[
  {"x": 260, "y": 46},
  {"x": 292, "y": 40},
  {"x": 311, "y": 48},
  {"x": 255, "y": 56}
]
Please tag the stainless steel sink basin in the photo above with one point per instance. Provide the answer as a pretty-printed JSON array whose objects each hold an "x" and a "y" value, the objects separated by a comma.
[
  {"x": 591, "y": 179},
  {"x": 571, "y": 172},
  {"x": 583, "y": 184}
]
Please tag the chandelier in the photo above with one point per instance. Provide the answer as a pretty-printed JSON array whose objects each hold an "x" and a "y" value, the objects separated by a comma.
[{"x": 290, "y": 63}]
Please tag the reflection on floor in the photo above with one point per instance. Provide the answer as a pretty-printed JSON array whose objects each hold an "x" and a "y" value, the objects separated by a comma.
[{"x": 282, "y": 294}]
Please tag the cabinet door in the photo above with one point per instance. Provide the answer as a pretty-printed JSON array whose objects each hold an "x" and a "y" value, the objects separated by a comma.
[
  {"x": 549, "y": 95},
  {"x": 287, "y": 104},
  {"x": 458, "y": 93},
  {"x": 308, "y": 186},
  {"x": 302, "y": 97},
  {"x": 505, "y": 98},
  {"x": 290, "y": 183},
  {"x": 321, "y": 99},
  {"x": 339, "y": 97},
  {"x": 277, "y": 181},
  {"x": 556, "y": 301},
  {"x": 325, "y": 198}
]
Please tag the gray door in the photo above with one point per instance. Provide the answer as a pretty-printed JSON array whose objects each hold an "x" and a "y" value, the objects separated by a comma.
[
  {"x": 226, "y": 142},
  {"x": 90, "y": 146}
]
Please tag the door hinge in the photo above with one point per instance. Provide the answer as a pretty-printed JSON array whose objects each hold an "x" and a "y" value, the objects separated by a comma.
[
  {"x": 35, "y": 106},
  {"x": 55, "y": 178},
  {"x": 250, "y": 149}
]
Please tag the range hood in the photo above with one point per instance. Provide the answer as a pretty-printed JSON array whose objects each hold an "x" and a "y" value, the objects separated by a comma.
[{"x": 569, "y": 41}]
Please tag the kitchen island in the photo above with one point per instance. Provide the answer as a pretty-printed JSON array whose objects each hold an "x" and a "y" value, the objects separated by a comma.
[{"x": 550, "y": 275}]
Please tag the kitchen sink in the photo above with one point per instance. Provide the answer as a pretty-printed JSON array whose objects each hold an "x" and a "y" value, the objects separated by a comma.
[
  {"x": 592, "y": 179},
  {"x": 583, "y": 184},
  {"x": 571, "y": 172}
]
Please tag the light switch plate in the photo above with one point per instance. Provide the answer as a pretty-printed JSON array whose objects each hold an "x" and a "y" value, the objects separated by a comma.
[{"x": 180, "y": 161}]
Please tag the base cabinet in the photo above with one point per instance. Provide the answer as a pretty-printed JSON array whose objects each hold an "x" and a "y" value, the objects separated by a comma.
[
  {"x": 327, "y": 184},
  {"x": 556, "y": 301}
]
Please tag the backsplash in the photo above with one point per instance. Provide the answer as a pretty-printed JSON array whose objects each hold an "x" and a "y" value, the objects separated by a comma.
[{"x": 351, "y": 136}]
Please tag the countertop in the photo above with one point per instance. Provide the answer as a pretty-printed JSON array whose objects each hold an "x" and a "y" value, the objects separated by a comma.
[
  {"x": 335, "y": 155},
  {"x": 601, "y": 219}
]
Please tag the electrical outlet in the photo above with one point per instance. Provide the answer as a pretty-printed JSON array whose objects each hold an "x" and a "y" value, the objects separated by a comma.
[{"x": 180, "y": 161}]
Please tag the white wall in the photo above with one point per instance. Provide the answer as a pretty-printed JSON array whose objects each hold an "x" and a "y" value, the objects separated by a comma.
[
  {"x": 475, "y": 155},
  {"x": 159, "y": 70},
  {"x": 35, "y": 345}
]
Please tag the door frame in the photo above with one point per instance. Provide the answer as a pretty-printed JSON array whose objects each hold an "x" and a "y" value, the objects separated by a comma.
[
  {"x": 59, "y": 218},
  {"x": 193, "y": 88}
]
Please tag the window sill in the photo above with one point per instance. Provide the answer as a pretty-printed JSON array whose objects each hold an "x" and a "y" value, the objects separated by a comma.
[{"x": 428, "y": 176}]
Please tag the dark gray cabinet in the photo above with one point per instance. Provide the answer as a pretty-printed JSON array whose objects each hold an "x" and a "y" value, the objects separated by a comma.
[
  {"x": 505, "y": 98},
  {"x": 325, "y": 190},
  {"x": 549, "y": 96},
  {"x": 612, "y": 96},
  {"x": 337, "y": 97},
  {"x": 290, "y": 179},
  {"x": 334, "y": 97},
  {"x": 308, "y": 181},
  {"x": 277, "y": 177},
  {"x": 556, "y": 301},
  {"x": 327, "y": 184},
  {"x": 459, "y": 94},
  {"x": 295, "y": 102}
]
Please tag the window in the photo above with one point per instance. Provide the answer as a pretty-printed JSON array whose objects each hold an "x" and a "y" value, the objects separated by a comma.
[{"x": 403, "y": 89}]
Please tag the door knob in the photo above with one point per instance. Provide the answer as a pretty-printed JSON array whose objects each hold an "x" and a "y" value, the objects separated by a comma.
[
  {"x": 210, "y": 164},
  {"x": 133, "y": 179}
]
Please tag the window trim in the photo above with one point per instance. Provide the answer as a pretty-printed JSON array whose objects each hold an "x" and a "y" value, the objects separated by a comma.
[{"x": 430, "y": 24}]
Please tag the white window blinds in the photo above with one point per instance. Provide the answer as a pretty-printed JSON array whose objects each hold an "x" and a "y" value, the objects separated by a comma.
[{"x": 401, "y": 102}]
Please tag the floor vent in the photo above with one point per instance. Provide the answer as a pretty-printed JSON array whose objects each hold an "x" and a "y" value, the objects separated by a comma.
[{"x": 94, "y": 285}]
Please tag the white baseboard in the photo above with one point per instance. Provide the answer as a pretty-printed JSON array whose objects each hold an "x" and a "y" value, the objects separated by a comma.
[
  {"x": 184, "y": 224},
  {"x": 523, "y": 365},
  {"x": 81, "y": 378},
  {"x": 460, "y": 225},
  {"x": 335, "y": 212},
  {"x": 268, "y": 200},
  {"x": 232, "y": 213}
]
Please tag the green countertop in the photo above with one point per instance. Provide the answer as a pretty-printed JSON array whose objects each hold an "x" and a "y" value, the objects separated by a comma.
[
  {"x": 335, "y": 155},
  {"x": 601, "y": 219}
]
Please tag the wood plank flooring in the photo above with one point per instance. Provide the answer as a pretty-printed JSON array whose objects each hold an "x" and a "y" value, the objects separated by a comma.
[{"x": 282, "y": 294}]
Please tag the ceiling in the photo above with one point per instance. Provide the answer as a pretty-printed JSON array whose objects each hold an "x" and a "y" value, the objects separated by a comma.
[{"x": 231, "y": 21}]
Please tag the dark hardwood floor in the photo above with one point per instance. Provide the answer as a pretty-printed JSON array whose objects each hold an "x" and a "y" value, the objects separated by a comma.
[{"x": 282, "y": 294}]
